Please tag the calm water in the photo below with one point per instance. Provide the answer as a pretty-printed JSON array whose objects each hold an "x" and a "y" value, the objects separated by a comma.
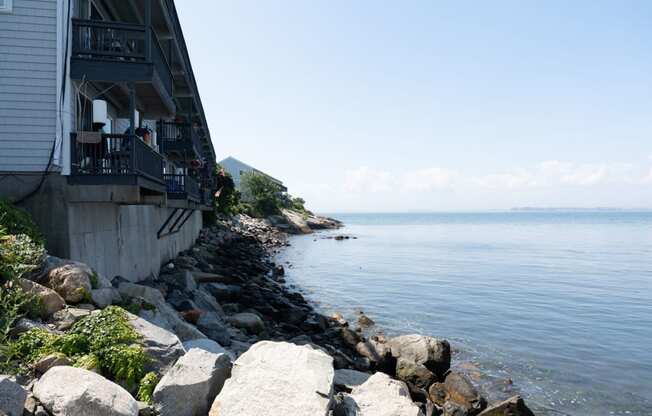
[{"x": 561, "y": 303}]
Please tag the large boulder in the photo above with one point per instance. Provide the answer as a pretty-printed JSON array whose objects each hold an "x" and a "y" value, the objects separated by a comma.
[
  {"x": 347, "y": 379},
  {"x": 296, "y": 222},
  {"x": 12, "y": 397},
  {"x": 277, "y": 379},
  {"x": 163, "y": 346},
  {"x": 72, "y": 281},
  {"x": 414, "y": 373},
  {"x": 105, "y": 296},
  {"x": 434, "y": 354},
  {"x": 204, "y": 344},
  {"x": 514, "y": 406},
  {"x": 461, "y": 391},
  {"x": 380, "y": 396},
  {"x": 247, "y": 321},
  {"x": 211, "y": 325},
  {"x": 190, "y": 386},
  {"x": 70, "y": 391},
  {"x": 51, "y": 300}
]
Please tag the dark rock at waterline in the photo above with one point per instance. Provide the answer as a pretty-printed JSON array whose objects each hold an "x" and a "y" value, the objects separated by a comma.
[
  {"x": 514, "y": 406},
  {"x": 461, "y": 391},
  {"x": 414, "y": 374}
]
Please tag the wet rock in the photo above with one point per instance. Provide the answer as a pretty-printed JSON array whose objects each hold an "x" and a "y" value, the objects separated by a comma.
[
  {"x": 434, "y": 354},
  {"x": 277, "y": 379},
  {"x": 339, "y": 319},
  {"x": 51, "y": 300},
  {"x": 364, "y": 321},
  {"x": 514, "y": 406},
  {"x": 381, "y": 396},
  {"x": 461, "y": 391},
  {"x": 190, "y": 386},
  {"x": 70, "y": 391},
  {"x": 437, "y": 393},
  {"x": 349, "y": 336},
  {"x": 12, "y": 397},
  {"x": 414, "y": 374},
  {"x": 52, "y": 360}
]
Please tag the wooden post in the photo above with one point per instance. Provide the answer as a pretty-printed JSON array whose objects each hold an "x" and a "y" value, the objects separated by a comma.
[{"x": 132, "y": 124}]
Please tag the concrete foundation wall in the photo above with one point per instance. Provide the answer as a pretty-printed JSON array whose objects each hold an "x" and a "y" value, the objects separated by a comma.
[
  {"x": 120, "y": 240},
  {"x": 115, "y": 239}
]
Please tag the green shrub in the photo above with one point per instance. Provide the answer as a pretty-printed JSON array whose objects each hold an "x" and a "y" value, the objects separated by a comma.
[
  {"x": 263, "y": 194},
  {"x": 88, "y": 362},
  {"x": 147, "y": 386},
  {"x": 16, "y": 221},
  {"x": 19, "y": 255}
]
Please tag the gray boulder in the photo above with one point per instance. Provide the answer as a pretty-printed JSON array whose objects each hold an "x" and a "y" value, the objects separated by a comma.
[
  {"x": 12, "y": 397},
  {"x": 52, "y": 360},
  {"x": 434, "y": 354},
  {"x": 204, "y": 344},
  {"x": 277, "y": 379},
  {"x": 190, "y": 386},
  {"x": 247, "y": 321},
  {"x": 380, "y": 396},
  {"x": 51, "y": 300},
  {"x": 163, "y": 346},
  {"x": 210, "y": 324},
  {"x": 105, "y": 296},
  {"x": 70, "y": 391}
]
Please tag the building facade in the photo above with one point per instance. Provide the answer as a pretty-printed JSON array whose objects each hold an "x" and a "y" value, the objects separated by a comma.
[
  {"x": 237, "y": 168},
  {"x": 103, "y": 136}
]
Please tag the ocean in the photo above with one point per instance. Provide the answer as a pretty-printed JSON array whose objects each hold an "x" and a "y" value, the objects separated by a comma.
[{"x": 556, "y": 306}]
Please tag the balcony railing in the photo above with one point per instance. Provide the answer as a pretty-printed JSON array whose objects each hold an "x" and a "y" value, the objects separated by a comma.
[
  {"x": 181, "y": 186},
  {"x": 107, "y": 155},
  {"x": 178, "y": 137},
  {"x": 104, "y": 41}
]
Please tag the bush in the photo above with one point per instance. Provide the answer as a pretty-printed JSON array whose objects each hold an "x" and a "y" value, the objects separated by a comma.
[
  {"x": 16, "y": 221},
  {"x": 263, "y": 194},
  {"x": 18, "y": 255},
  {"x": 102, "y": 340},
  {"x": 147, "y": 386}
]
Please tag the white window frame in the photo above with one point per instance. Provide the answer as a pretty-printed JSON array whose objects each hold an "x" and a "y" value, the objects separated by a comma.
[{"x": 8, "y": 7}]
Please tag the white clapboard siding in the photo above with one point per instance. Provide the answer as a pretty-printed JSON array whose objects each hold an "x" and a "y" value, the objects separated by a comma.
[{"x": 28, "y": 70}]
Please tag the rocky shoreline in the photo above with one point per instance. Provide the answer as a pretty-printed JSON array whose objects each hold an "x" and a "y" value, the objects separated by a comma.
[{"x": 226, "y": 336}]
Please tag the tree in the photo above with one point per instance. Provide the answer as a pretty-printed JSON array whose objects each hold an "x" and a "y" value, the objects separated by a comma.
[{"x": 263, "y": 194}]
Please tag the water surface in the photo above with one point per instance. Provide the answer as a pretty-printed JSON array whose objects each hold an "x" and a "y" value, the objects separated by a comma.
[{"x": 561, "y": 303}]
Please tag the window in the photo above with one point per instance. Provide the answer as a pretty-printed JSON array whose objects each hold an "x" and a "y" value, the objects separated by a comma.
[{"x": 6, "y": 6}]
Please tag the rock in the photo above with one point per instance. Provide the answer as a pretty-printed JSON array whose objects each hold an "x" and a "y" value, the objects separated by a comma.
[
  {"x": 433, "y": 353},
  {"x": 105, "y": 297},
  {"x": 365, "y": 321},
  {"x": 514, "y": 406},
  {"x": 12, "y": 397},
  {"x": 202, "y": 277},
  {"x": 339, "y": 319},
  {"x": 183, "y": 280},
  {"x": 248, "y": 321},
  {"x": 204, "y": 344},
  {"x": 150, "y": 295},
  {"x": 145, "y": 409},
  {"x": 350, "y": 337},
  {"x": 51, "y": 300},
  {"x": 23, "y": 325},
  {"x": 460, "y": 391},
  {"x": 437, "y": 394},
  {"x": 415, "y": 374},
  {"x": 65, "y": 318},
  {"x": 70, "y": 391},
  {"x": 190, "y": 386},
  {"x": 52, "y": 360},
  {"x": 381, "y": 396},
  {"x": 297, "y": 224},
  {"x": 223, "y": 292},
  {"x": 212, "y": 326},
  {"x": 72, "y": 281},
  {"x": 347, "y": 379},
  {"x": 162, "y": 346},
  {"x": 207, "y": 302},
  {"x": 277, "y": 379}
]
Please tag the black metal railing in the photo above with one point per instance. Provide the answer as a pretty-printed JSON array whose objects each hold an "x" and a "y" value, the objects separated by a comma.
[
  {"x": 181, "y": 184},
  {"x": 94, "y": 39},
  {"x": 176, "y": 136},
  {"x": 113, "y": 154},
  {"x": 122, "y": 42}
]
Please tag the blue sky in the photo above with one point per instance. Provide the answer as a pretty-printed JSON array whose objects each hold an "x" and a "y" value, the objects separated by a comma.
[{"x": 432, "y": 105}]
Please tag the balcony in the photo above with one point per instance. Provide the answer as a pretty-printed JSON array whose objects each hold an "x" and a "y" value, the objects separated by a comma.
[
  {"x": 178, "y": 140},
  {"x": 121, "y": 52},
  {"x": 115, "y": 159},
  {"x": 182, "y": 187}
]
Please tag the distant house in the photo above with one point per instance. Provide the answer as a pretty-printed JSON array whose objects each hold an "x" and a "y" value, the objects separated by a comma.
[{"x": 237, "y": 168}]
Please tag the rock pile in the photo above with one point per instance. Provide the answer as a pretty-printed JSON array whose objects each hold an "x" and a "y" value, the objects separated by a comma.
[{"x": 226, "y": 337}]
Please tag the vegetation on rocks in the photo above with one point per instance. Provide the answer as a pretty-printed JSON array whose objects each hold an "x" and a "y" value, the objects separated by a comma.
[
  {"x": 147, "y": 386},
  {"x": 15, "y": 221}
]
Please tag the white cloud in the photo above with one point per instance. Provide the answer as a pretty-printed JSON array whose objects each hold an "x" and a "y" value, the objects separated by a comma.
[
  {"x": 429, "y": 179},
  {"x": 366, "y": 179}
]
